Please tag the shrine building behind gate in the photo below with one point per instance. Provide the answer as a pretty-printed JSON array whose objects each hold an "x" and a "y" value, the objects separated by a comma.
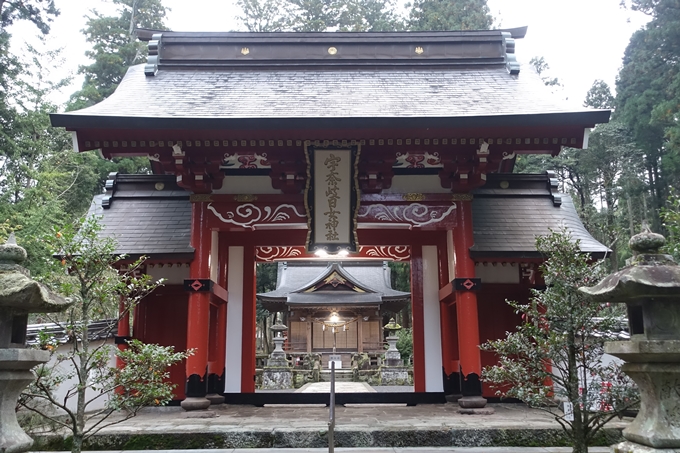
[{"x": 423, "y": 130}]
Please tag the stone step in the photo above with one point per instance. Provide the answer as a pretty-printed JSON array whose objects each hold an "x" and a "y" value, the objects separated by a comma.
[{"x": 340, "y": 375}]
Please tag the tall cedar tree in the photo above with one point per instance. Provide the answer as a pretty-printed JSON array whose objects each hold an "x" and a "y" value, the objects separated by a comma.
[
  {"x": 319, "y": 15},
  {"x": 556, "y": 353},
  {"x": 115, "y": 48},
  {"x": 430, "y": 15},
  {"x": 648, "y": 96}
]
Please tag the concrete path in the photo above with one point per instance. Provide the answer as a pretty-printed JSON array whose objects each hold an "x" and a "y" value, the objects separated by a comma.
[{"x": 340, "y": 387}]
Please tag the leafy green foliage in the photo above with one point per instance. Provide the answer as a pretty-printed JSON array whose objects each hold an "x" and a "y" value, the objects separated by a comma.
[
  {"x": 431, "y": 15},
  {"x": 405, "y": 344},
  {"x": 648, "y": 97},
  {"x": 39, "y": 12},
  {"x": 142, "y": 380},
  {"x": 362, "y": 15},
  {"x": 542, "y": 67},
  {"x": 671, "y": 219},
  {"x": 115, "y": 48},
  {"x": 554, "y": 356},
  {"x": 85, "y": 274},
  {"x": 319, "y": 15}
]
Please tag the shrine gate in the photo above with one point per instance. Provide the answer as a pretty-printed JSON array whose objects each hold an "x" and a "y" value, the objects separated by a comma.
[{"x": 231, "y": 123}]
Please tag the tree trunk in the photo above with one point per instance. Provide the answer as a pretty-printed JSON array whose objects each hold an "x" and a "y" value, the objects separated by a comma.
[
  {"x": 631, "y": 223},
  {"x": 577, "y": 429},
  {"x": 83, "y": 358}
]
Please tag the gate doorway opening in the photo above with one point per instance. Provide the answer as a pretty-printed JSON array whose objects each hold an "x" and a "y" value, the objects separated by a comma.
[{"x": 353, "y": 313}]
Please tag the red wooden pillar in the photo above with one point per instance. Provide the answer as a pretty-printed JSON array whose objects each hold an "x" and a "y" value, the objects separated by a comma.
[
  {"x": 417, "y": 311},
  {"x": 218, "y": 341},
  {"x": 249, "y": 318},
  {"x": 198, "y": 318},
  {"x": 466, "y": 307}
]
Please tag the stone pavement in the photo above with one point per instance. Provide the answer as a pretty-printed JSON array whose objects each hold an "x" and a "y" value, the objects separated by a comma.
[
  {"x": 357, "y": 426},
  {"x": 340, "y": 387},
  {"x": 378, "y": 450}
]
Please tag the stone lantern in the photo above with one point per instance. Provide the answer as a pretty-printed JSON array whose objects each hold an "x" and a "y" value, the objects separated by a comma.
[
  {"x": 393, "y": 371},
  {"x": 650, "y": 288},
  {"x": 19, "y": 296},
  {"x": 277, "y": 374}
]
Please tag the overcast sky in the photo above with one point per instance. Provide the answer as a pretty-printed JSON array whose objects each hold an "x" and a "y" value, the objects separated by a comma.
[{"x": 582, "y": 40}]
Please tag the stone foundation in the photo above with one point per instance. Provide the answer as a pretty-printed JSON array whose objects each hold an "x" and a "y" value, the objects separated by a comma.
[
  {"x": 394, "y": 375},
  {"x": 275, "y": 378}
]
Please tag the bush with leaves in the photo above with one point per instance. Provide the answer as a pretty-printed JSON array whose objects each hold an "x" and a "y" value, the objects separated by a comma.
[
  {"x": 90, "y": 389},
  {"x": 556, "y": 354}
]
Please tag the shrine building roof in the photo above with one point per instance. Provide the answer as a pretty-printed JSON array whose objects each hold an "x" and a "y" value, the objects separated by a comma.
[
  {"x": 232, "y": 81},
  {"x": 511, "y": 210},
  {"x": 347, "y": 283}
]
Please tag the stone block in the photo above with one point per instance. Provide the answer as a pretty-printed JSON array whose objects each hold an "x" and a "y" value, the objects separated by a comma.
[{"x": 277, "y": 378}]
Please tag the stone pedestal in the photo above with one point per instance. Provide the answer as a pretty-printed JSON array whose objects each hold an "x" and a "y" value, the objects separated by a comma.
[
  {"x": 657, "y": 424},
  {"x": 392, "y": 355},
  {"x": 393, "y": 375},
  {"x": 277, "y": 375},
  {"x": 15, "y": 375},
  {"x": 393, "y": 372},
  {"x": 195, "y": 403}
]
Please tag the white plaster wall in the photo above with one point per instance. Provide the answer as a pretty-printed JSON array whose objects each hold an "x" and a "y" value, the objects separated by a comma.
[
  {"x": 233, "y": 358},
  {"x": 431, "y": 319},
  {"x": 173, "y": 274},
  {"x": 497, "y": 273}
]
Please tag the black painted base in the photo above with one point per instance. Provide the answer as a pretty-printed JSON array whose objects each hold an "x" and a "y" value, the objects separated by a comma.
[
  {"x": 471, "y": 385},
  {"x": 452, "y": 383},
  {"x": 196, "y": 386},
  {"x": 216, "y": 383}
]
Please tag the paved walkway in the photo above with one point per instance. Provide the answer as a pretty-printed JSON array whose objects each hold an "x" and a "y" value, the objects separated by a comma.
[
  {"x": 377, "y": 450},
  {"x": 340, "y": 387},
  {"x": 388, "y": 428}
]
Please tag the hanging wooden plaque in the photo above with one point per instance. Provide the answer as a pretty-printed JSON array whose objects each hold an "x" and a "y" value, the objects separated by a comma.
[{"x": 332, "y": 199}]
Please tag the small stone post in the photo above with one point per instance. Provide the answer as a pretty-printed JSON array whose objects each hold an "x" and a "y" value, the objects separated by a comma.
[
  {"x": 650, "y": 288},
  {"x": 19, "y": 296},
  {"x": 277, "y": 374},
  {"x": 393, "y": 371}
]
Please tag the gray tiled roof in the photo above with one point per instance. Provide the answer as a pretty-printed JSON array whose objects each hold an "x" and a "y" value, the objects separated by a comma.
[
  {"x": 143, "y": 220},
  {"x": 332, "y": 93},
  {"x": 508, "y": 224}
]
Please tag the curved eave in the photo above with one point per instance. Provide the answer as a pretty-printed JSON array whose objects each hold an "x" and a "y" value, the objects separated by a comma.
[
  {"x": 525, "y": 255},
  {"x": 74, "y": 121}
]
